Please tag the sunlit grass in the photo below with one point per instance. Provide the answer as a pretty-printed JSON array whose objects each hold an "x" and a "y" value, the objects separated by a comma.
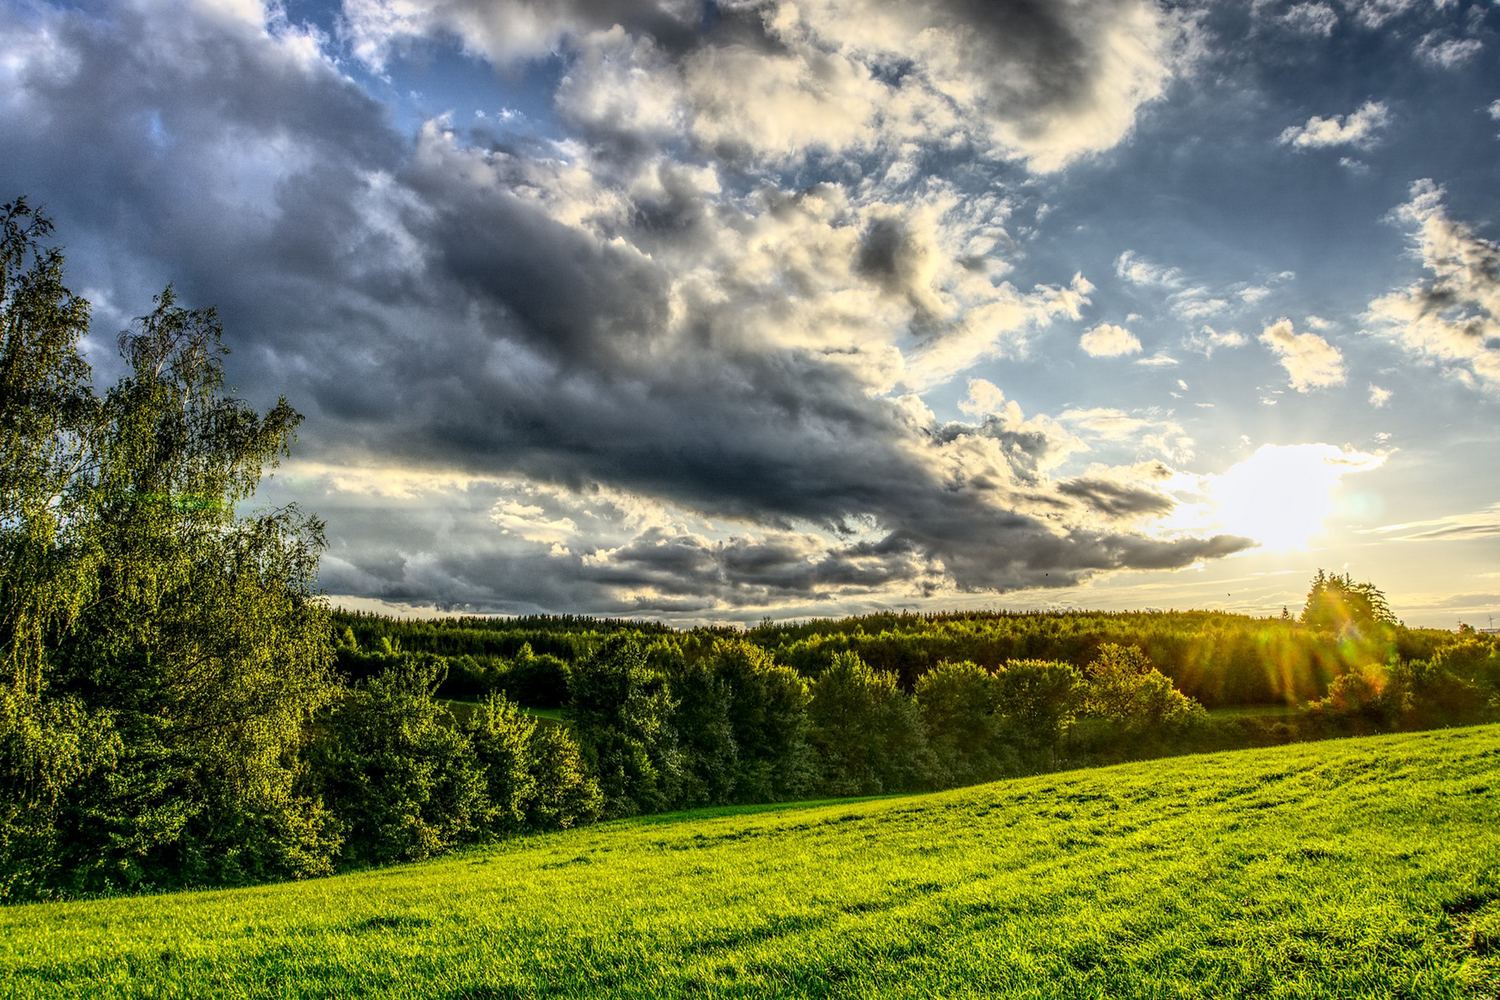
[
  {"x": 462, "y": 709},
  {"x": 1353, "y": 868}
]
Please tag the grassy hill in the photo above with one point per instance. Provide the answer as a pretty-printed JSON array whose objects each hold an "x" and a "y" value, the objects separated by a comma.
[{"x": 1354, "y": 868}]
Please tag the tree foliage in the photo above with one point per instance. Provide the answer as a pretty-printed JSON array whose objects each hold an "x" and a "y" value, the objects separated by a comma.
[
  {"x": 1125, "y": 689},
  {"x": 402, "y": 781},
  {"x": 179, "y": 646},
  {"x": 869, "y": 735},
  {"x": 1338, "y": 604},
  {"x": 959, "y": 704},
  {"x": 621, "y": 710}
]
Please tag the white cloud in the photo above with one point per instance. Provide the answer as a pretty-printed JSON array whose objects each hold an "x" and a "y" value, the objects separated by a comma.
[
  {"x": 1138, "y": 271},
  {"x": 986, "y": 69},
  {"x": 1208, "y": 341},
  {"x": 1311, "y": 19},
  {"x": 1379, "y": 396},
  {"x": 1310, "y": 361},
  {"x": 622, "y": 84},
  {"x": 1153, "y": 431},
  {"x": 1109, "y": 341},
  {"x": 1448, "y": 53},
  {"x": 1197, "y": 302},
  {"x": 986, "y": 398},
  {"x": 781, "y": 107},
  {"x": 1453, "y": 317},
  {"x": 1158, "y": 360},
  {"x": 1357, "y": 129},
  {"x": 1252, "y": 294},
  {"x": 1375, "y": 13}
]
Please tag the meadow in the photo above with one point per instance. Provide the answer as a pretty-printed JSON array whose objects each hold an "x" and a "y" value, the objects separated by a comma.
[{"x": 1364, "y": 867}]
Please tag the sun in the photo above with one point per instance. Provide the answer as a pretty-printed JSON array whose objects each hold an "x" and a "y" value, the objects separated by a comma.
[{"x": 1283, "y": 495}]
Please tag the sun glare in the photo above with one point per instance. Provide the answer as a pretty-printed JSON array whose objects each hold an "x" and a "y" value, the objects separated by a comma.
[{"x": 1283, "y": 495}]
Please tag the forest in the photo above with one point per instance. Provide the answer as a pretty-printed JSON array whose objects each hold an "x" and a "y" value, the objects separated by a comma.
[{"x": 181, "y": 707}]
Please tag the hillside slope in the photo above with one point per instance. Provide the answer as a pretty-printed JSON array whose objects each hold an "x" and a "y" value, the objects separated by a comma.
[{"x": 1354, "y": 868}]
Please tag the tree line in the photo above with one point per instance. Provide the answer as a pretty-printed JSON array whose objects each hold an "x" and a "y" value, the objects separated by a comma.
[{"x": 180, "y": 707}]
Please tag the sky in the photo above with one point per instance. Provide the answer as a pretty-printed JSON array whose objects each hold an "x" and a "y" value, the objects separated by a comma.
[{"x": 708, "y": 312}]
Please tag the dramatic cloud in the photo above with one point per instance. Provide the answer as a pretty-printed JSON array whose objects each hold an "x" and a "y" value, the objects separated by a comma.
[
  {"x": 1310, "y": 361},
  {"x": 762, "y": 79},
  {"x": 1453, "y": 318},
  {"x": 535, "y": 329},
  {"x": 1360, "y": 129},
  {"x": 1109, "y": 341},
  {"x": 714, "y": 310}
]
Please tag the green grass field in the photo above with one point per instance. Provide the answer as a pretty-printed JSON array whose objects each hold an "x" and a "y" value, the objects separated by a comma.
[
  {"x": 1346, "y": 868},
  {"x": 462, "y": 709}
]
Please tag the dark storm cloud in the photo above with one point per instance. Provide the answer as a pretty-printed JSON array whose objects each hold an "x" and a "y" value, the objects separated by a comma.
[
  {"x": 1058, "y": 43},
  {"x": 129, "y": 119},
  {"x": 574, "y": 298},
  {"x": 1114, "y": 500}
]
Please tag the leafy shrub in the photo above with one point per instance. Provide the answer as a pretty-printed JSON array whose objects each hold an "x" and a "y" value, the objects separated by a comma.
[
  {"x": 959, "y": 703},
  {"x": 402, "y": 781},
  {"x": 868, "y": 734},
  {"x": 621, "y": 711},
  {"x": 566, "y": 794}
]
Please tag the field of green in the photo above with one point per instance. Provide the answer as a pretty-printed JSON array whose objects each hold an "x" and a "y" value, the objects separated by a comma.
[
  {"x": 1345, "y": 868},
  {"x": 462, "y": 708}
]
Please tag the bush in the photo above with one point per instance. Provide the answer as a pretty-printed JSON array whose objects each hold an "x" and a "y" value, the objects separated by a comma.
[
  {"x": 622, "y": 711},
  {"x": 959, "y": 704},
  {"x": 566, "y": 794},
  {"x": 401, "y": 780},
  {"x": 868, "y": 734}
]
